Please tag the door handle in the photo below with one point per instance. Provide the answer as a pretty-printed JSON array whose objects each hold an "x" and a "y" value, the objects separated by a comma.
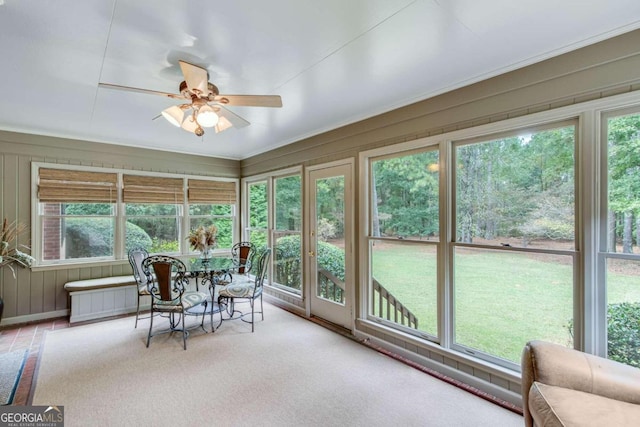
[{"x": 312, "y": 253}]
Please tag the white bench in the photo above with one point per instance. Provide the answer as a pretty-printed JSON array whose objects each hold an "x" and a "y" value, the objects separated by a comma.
[{"x": 104, "y": 297}]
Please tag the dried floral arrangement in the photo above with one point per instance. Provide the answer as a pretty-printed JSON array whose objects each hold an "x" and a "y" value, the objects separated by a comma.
[
  {"x": 203, "y": 238},
  {"x": 9, "y": 252}
]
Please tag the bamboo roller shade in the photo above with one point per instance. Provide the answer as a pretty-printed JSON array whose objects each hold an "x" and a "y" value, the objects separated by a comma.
[
  {"x": 151, "y": 189},
  {"x": 214, "y": 192},
  {"x": 65, "y": 186}
]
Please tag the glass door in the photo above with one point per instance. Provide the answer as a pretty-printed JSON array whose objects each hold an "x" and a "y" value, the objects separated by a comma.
[{"x": 329, "y": 249}]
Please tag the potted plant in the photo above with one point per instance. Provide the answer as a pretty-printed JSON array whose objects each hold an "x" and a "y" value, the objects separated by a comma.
[{"x": 10, "y": 255}]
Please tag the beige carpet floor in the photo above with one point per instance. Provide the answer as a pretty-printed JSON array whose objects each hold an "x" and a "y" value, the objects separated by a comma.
[{"x": 290, "y": 372}]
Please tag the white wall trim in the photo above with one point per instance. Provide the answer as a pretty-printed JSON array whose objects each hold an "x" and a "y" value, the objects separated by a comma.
[{"x": 34, "y": 317}]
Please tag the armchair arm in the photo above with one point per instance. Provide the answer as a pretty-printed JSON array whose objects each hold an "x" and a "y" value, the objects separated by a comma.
[{"x": 555, "y": 365}]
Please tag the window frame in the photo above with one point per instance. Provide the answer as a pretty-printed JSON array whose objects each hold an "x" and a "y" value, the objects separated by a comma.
[
  {"x": 370, "y": 239},
  {"x": 271, "y": 231},
  {"x": 600, "y": 338}
]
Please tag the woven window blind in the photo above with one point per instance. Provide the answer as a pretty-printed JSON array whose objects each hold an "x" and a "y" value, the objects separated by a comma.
[
  {"x": 150, "y": 189},
  {"x": 212, "y": 192},
  {"x": 67, "y": 186}
]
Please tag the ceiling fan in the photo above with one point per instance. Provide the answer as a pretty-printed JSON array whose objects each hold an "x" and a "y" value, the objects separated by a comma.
[{"x": 206, "y": 107}]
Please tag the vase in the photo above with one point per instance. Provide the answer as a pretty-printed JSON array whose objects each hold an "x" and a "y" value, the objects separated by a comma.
[
  {"x": 206, "y": 254},
  {"x": 205, "y": 258}
]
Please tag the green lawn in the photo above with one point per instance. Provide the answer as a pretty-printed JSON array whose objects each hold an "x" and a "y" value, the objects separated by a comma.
[{"x": 502, "y": 299}]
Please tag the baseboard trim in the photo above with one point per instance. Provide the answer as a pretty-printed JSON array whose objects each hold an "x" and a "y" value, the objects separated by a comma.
[{"x": 30, "y": 318}]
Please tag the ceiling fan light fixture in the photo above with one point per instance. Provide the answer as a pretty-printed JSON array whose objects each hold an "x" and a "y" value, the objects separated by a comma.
[
  {"x": 207, "y": 117},
  {"x": 190, "y": 125},
  {"x": 223, "y": 124},
  {"x": 174, "y": 115}
]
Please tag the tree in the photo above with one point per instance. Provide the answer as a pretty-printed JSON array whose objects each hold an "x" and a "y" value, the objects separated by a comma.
[
  {"x": 516, "y": 186},
  {"x": 406, "y": 200},
  {"x": 288, "y": 212},
  {"x": 624, "y": 173},
  {"x": 258, "y": 205}
]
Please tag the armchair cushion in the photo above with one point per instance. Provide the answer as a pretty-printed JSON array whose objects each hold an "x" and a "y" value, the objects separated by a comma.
[
  {"x": 562, "y": 386},
  {"x": 559, "y": 406}
]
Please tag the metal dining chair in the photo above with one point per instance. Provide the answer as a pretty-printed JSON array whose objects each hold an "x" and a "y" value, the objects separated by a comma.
[
  {"x": 246, "y": 291},
  {"x": 136, "y": 256},
  {"x": 168, "y": 293},
  {"x": 242, "y": 254}
]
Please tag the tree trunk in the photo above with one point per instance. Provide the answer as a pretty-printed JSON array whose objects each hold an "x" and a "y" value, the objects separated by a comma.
[
  {"x": 611, "y": 234},
  {"x": 627, "y": 236}
]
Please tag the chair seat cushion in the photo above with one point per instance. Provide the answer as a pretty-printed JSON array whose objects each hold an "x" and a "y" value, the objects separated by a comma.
[
  {"x": 189, "y": 299},
  {"x": 238, "y": 290}
]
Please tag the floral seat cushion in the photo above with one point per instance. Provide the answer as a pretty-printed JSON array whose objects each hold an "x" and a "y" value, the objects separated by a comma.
[
  {"x": 238, "y": 290},
  {"x": 189, "y": 299}
]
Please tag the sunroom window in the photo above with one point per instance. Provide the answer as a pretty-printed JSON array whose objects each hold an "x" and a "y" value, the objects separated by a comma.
[
  {"x": 77, "y": 214},
  {"x": 622, "y": 251},
  {"x": 213, "y": 203},
  {"x": 403, "y": 241},
  {"x": 514, "y": 248},
  {"x": 153, "y": 211}
]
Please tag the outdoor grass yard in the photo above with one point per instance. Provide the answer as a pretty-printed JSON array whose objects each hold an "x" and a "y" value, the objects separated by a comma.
[{"x": 502, "y": 299}]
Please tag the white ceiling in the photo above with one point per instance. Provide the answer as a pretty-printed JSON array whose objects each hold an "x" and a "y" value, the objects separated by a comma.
[{"x": 333, "y": 62}]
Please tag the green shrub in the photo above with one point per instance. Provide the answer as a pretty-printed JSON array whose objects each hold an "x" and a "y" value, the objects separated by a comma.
[
  {"x": 623, "y": 333},
  {"x": 88, "y": 238},
  {"x": 287, "y": 262},
  {"x": 136, "y": 238},
  {"x": 288, "y": 265},
  {"x": 331, "y": 258},
  {"x": 163, "y": 246},
  {"x": 85, "y": 238}
]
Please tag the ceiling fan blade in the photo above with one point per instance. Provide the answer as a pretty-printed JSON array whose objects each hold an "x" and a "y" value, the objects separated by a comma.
[
  {"x": 135, "y": 89},
  {"x": 233, "y": 118},
  {"x": 249, "y": 100},
  {"x": 197, "y": 78}
]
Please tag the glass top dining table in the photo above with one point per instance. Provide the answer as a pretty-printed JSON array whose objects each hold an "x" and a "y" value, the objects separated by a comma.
[
  {"x": 209, "y": 273},
  {"x": 207, "y": 267}
]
